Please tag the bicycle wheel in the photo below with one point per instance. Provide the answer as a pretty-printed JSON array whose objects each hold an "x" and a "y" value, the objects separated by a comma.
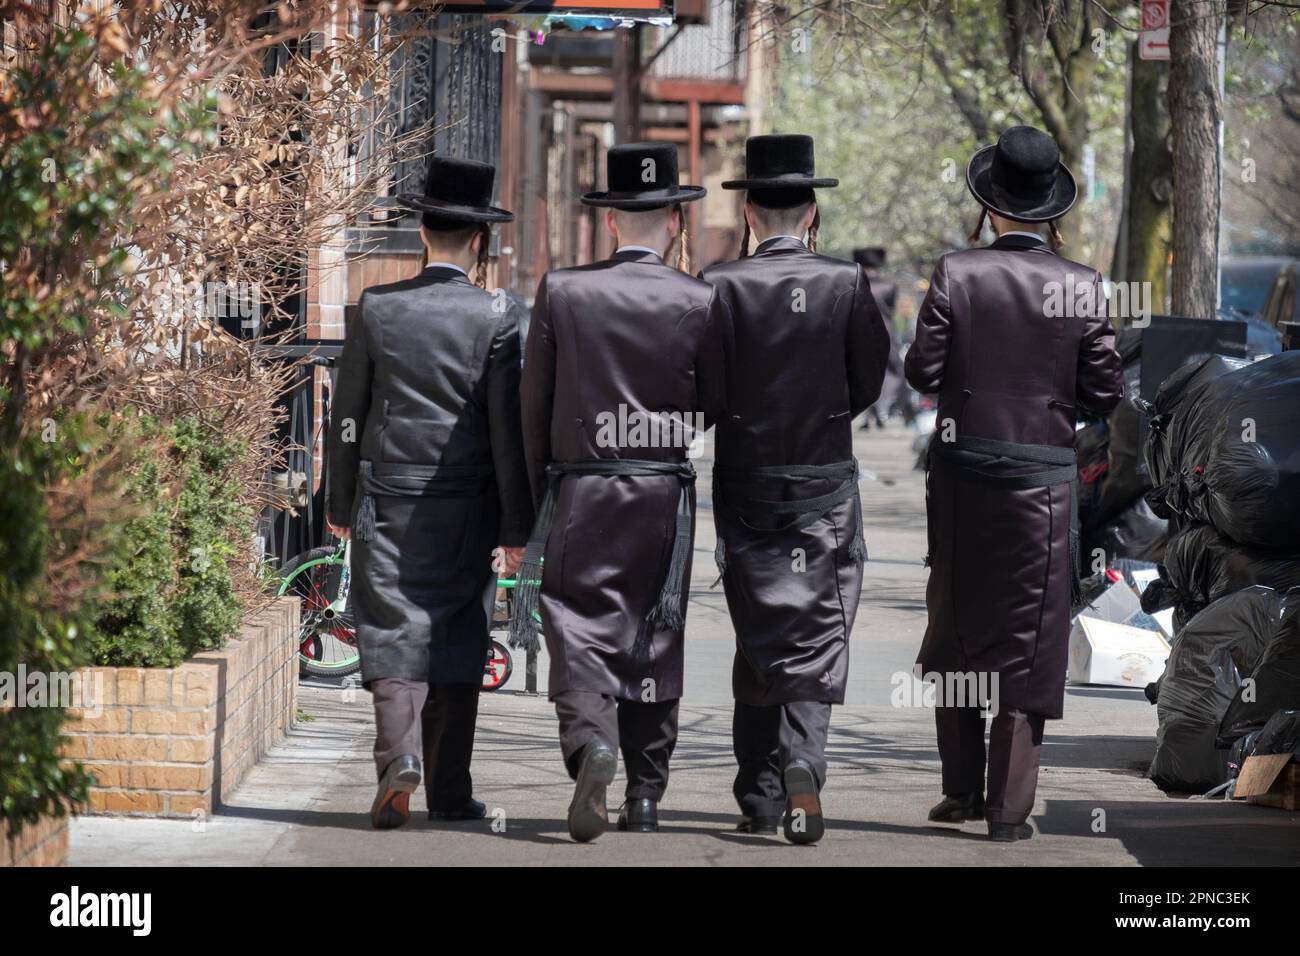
[
  {"x": 327, "y": 645},
  {"x": 499, "y": 666}
]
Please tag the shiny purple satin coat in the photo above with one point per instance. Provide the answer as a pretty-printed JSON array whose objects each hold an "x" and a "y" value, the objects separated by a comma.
[
  {"x": 1003, "y": 368},
  {"x": 627, "y": 335},
  {"x": 806, "y": 352}
]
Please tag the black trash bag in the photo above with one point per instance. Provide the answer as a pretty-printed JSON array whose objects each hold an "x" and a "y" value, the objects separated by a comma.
[
  {"x": 1248, "y": 483},
  {"x": 1090, "y": 449},
  {"x": 1136, "y": 533},
  {"x": 1126, "y": 478},
  {"x": 1224, "y": 449},
  {"x": 1281, "y": 735},
  {"x": 1200, "y": 566},
  {"x": 1203, "y": 673},
  {"x": 1178, "y": 428},
  {"x": 1274, "y": 683}
]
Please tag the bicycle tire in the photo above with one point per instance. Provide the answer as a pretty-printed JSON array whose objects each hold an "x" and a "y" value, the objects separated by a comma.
[{"x": 295, "y": 566}]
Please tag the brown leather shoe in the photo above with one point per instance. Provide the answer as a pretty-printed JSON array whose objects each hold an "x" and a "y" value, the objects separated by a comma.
[
  {"x": 803, "y": 806},
  {"x": 392, "y": 806},
  {"x": 588, "y": 815}
]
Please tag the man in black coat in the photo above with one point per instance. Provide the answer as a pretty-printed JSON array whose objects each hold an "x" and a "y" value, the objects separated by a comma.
[
  {"x": 894, "y": 389},
  {"x": 806, "y": 354},
  {"x": 1015, "y": 341},
  {"x": 623, "y": 375},
  {"x": 427, "y": 473}
]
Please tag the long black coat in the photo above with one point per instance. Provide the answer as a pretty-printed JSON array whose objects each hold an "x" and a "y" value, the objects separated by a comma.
[
  {"x": 795, "y": 381},
  {"x": 429, "y": 379},
  {"x": 630, "y": 332},
  {"x": 999, "y": 589}
]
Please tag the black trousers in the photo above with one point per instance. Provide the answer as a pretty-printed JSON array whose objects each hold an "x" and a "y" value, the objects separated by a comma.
[
  {"x": 646, "y": 733},
  {"x": 435, "y": 721},
  {"x": 1015, "y": 741},
  {"x": 765, "y": 740}
]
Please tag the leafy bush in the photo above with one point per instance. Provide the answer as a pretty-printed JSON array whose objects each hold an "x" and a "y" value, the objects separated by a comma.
[{"x": 173, "y": 592}]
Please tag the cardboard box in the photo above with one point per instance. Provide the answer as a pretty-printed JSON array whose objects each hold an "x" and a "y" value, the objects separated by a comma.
[
  {"x": 1269, "y": 780},
  {"x": 1117, "y": 655}
]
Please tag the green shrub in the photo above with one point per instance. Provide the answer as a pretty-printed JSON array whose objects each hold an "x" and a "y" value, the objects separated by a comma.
[{"x": 173, "y": 593}]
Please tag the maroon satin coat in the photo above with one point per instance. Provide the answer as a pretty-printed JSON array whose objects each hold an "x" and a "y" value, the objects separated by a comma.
[
  {"x": 999, "y": 589},
  {"x": 628, "y": 331},
  {"x": 795, "y": 381}
]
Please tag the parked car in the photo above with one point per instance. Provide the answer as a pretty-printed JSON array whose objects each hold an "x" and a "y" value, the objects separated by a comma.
[{"x": 1246, "y": 281}]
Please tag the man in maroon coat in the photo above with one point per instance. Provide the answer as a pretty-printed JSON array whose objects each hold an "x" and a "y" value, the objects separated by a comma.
[
  {"x": 623, "y": 373},
  {"x": 1014, "y": 339}
]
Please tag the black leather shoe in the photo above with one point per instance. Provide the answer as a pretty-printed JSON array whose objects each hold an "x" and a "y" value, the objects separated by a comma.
[
  {"x": 639, "y": 816},
  {"x": 391, "y": 808},
  {"x": 803, "y": 806},
  {"x": 588, "y": 815},
  {"x": 1009, "y": 832},
  {"x": 473, "y": 810},
  {"x": 765, "y": 826},
  {"x": 958, "y": 807}
]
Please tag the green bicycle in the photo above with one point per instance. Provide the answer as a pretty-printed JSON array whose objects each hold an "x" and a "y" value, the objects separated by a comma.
[{"x": 327, "y": 647}]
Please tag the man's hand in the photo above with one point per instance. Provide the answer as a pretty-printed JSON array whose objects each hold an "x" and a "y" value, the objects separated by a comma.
[
  {"x": 339, "y": 531},
  {"x": 507, "y": 560}
]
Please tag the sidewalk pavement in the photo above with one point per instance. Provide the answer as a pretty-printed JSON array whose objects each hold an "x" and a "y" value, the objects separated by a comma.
[{"x": 306, "y": 804}]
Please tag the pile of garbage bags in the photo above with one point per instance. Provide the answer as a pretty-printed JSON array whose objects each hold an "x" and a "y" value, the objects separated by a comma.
[
  {"x": 1223, "y": 457},
  {"x": 1240, "y": 648},
  {"x": 1113, "y": 478}
]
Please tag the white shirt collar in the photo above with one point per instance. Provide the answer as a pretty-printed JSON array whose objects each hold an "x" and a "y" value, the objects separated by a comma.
[
  {"x": 774, "y": 238},
  {"x": 638, "y": 249},
  {"x": 446, "y": 265},
  {"x": 1016, "y": 232}
]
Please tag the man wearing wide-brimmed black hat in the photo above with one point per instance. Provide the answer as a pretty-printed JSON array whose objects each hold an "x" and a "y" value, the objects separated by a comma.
[
  {"x": 623, "y": 374},
  {"x": 807, "y": 355},
  {"x": 1012, "y": 370},
  {"x": 872, "y": 259},
  {"x": 427, "y": 475}
]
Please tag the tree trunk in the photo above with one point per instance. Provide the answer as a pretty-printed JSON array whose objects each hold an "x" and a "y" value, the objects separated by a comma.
[
  {"x": 1150, "y": 181},
  {"x": 1194, "y": 113}
]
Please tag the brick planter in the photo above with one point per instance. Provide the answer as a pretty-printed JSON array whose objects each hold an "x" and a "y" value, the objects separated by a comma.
[
  {"x": 170, "y": 741},
  {"x": 43, "y": 843}
]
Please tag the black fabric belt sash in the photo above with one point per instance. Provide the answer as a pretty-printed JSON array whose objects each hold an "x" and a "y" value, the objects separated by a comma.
[
  {"x": 667, "y": 610},
  {"x": 726, "y": 482},
  {"x": 993, "y": 462},
  {"x": 414, "y": 481}
]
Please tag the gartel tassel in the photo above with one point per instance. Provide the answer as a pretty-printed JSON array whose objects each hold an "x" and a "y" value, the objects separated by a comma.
[
  {"x": 858, "y": 546},
  {"x": 720, "y": 559},
  {"x": 364, "y": 528},
  {"x": 668, "y": 611}
]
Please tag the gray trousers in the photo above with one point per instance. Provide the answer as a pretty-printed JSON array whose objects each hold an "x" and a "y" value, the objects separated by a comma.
[
  {"x": 431, "y": 721},
  {"x": 1015, "y": 741},
  {"x": 646, "y": 733},
  {"x": 765, "y": 740}
]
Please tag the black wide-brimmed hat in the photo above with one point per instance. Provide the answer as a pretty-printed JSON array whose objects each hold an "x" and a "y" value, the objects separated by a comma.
[
  {"x": 873, "y": 257},
  {"x": 780, "y": 161},
  {"x": 1022, "y": 177},
  {"x": 458, "y": 190},
  {"x": 642, "y": 176}
]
